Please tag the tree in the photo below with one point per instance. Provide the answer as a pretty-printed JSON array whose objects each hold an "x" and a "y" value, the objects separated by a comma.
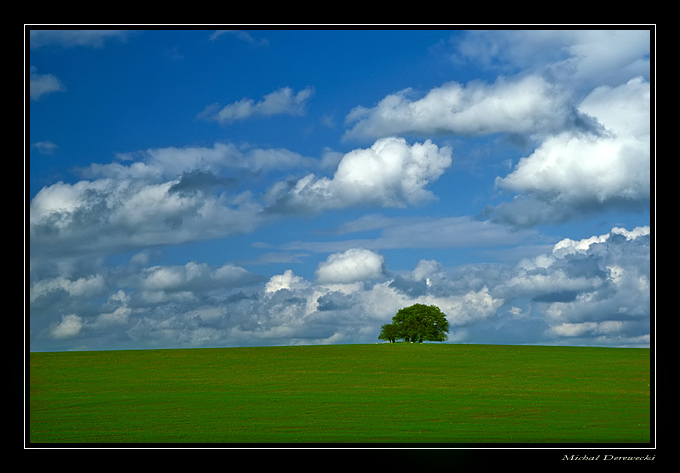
[
  {"x": 417, "y": 323},
  {"x": 389, "y": 332}
]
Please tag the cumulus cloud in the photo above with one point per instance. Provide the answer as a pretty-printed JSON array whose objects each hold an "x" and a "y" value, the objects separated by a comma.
[
  {"x": 283, "y": 101},
  {"x": 175, "y": 195},
  {"x": 425, "y": 269},
  {"x": 526, "y": 105},
  {"x": 158, "y": 196},
  {"x": 584, "y": 103},
  {"x": 85, "y": 287},
  {"x": 120, "y": 315},
  {"x": 162, "y": 283},
  {"x": 69, "y": 326},
  {"x": 623, "y": 110},
  {"x": 287, "y": 280},
  {"x": 317, "y": 312},
  {"x": 572, "y": 173},
  {"x": 355, "y": 264},
  {"x": 540, "y": 101},
  {"x": 624, "y": 263},
  {"x": 122, "y": 215},
  {"x": 568, "y": 246},
  {"x": 590, "y": 167},
  {"x": 581, "y": 171},
  {"x": 391, "y": 173},
  {"x": 593, "y": 290}
]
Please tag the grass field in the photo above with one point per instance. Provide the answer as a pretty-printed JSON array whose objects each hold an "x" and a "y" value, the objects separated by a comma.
[{"x": 383, "y": 393}]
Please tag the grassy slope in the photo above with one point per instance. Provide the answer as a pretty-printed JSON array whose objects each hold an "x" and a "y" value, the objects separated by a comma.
[{"x": 343, "y": 393}]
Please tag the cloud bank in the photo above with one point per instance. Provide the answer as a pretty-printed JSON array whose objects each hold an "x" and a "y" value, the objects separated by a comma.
[
  {"x": 174, "y": 195},
  {"x": 589, "y": 291}
]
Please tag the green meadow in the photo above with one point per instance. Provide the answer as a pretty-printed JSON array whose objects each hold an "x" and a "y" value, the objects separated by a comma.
[{"x": 377, "y": 394}]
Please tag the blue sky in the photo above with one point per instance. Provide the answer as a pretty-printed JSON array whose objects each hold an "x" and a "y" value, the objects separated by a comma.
[{"x": 193, "y": 188}]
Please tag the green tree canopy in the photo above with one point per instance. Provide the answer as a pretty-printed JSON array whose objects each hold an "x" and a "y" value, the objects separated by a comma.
[{"x": 417, "y": 323}]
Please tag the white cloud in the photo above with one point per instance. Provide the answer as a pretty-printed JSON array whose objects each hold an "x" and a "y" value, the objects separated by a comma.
[
  {"x": 174, "y": 277},
  {"x": 171, "y": 162},
  {"x": 613, "y": 333},
  {"x": 592, "y": 153},
  {"x": 391, "y": 173},
  {"x": 287, "y": 280},
  {"x": 184, "y": 282},
  {"x": 568, "y": 246},
  {"x": 283, "y": 101},
  {"x": 575, "y": 330},
  {"x": 571, "y": 173},
  {"x": 585, "y": 104},
  {"x": 471, "y": 307},
  {"x": 119, "y": 316},
  {"x": 391, "y": 169},
  {"x": 84, "y": 287},
  {"x": 383, "y": 300},
  {"x": 624, "y": 110},
  {"x": 586, "y": 270},
  {"x": 113, "y": 215},
  {"x": 621, "y": 300},
  {"x": 527, "y": 105},
  {"x": 176, "y": 195},
  {"x": 356, "y": 264},
  {"x": 584, "y": 169},
  {"x": 606, "y": 56},
  {"x": 69, "y": 326},
  {"x": 43, "y": 84},
  {"x": 590, "y": 291},
  {"x": 45, "y": 147},
  {"x": 425, "y": 269}
]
